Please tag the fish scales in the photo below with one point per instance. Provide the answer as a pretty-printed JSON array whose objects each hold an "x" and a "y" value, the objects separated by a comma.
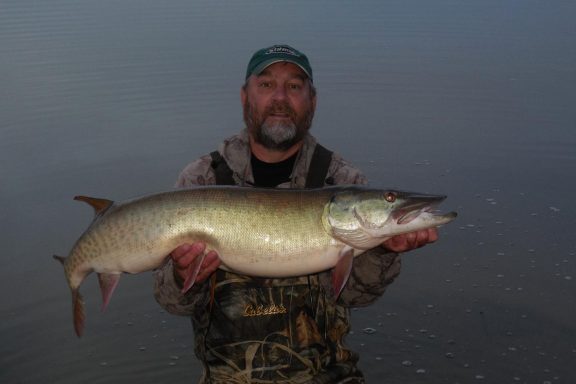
[{"x": 231, "y": 221}]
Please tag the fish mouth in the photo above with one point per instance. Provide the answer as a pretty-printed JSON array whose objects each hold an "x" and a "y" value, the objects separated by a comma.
[
  {"x": 417, "y": 204},
  {"x": 407, "y": 217}
]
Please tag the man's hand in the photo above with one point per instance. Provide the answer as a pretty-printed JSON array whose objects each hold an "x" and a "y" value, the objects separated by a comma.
[
  {"x": 186, "y": 254},
  {"x": 412, "y": 240}
]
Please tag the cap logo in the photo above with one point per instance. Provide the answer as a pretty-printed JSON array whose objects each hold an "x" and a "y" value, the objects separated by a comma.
[
  {"x": 276, "y": 53},
  {"x": 283, "y": 50}
]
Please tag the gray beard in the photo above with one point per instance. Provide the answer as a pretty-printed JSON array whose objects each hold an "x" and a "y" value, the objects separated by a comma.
[{"x": 277, "y": 136}]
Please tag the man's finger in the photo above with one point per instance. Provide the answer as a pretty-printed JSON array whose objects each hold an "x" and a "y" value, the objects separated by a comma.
[
  {"x": 187, "y": 253},
  {"x": 432, "y": 235},
  {"x": 181, "y": 251}
]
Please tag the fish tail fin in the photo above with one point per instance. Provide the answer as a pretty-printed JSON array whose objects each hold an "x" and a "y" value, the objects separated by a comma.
[
  {"x": 77, "y": 302},
  {"x": 78, "y": 312},
  {"x": 108, "y": 283}
]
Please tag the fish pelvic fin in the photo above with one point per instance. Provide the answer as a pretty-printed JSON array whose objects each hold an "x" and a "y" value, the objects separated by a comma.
[
  {"x": 78, "y": 312},
  {"x": 108, "y": 283},
  {"x": 99, "y": 205},
  {"x": 341, "y": 272},
  {"x": 192, "y": 273}
]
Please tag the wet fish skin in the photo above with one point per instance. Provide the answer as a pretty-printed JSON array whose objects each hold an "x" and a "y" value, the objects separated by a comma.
[{"x": 258, "y": 232}]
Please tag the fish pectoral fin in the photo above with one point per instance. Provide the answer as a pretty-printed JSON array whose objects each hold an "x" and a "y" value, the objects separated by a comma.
[
  {"x": 108, "y": 283},
  {"x": 192, "y": 273},
  {"x": 99, "y": 205},
  {"x": 341, "y": 271}
]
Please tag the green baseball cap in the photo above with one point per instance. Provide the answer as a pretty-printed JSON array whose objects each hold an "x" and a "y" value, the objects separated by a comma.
[{"x": 274, "y": 54}]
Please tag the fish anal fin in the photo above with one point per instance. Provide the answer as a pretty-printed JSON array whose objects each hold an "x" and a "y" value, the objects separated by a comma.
[
  {"x": 78, "y": 312},
  {"x": 108, "y": 283},
  {"x": 99, "y": 205},
  {"x": 341, "y": 271},
  {"x": 192, "y": 273}
]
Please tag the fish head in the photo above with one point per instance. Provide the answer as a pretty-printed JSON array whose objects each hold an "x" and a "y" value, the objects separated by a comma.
[{"x": 364, "y": 218}]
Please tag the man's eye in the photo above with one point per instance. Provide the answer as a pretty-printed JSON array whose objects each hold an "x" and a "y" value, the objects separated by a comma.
[
  {"x": 295, "y": 87},
  {"x": 265, "y": 84}
]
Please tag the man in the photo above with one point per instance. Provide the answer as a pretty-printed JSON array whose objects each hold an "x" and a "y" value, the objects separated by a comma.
[{"x": 276, "y": 330}]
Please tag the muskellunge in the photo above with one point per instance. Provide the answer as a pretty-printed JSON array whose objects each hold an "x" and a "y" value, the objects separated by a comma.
[{"x": 256, "y": 232}]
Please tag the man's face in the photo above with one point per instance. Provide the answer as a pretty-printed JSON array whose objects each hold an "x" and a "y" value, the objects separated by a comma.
[{"x": 279, "y": 105}]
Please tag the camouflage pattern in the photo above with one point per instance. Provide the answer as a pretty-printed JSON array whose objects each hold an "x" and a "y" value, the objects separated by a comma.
[{"x": 275, "y": 330}]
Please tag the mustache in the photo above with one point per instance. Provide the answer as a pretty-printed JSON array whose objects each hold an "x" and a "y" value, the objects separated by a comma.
[{"x": 279, "y": 107}]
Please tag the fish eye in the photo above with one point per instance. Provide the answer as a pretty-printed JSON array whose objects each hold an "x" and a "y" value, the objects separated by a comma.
[{"x": 390, "y": 197}]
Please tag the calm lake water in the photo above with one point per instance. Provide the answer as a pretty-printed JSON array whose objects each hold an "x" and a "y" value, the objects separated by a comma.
[{"x": 473, "y": 99}]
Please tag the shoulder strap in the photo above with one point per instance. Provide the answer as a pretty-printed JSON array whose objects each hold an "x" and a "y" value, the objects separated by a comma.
[
  {"x": 321, "y": 159},
  {"x": 221, "y": 169}
]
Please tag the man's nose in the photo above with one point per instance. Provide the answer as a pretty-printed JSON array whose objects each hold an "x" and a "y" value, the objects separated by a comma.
[{"x": 280, "y": 93}]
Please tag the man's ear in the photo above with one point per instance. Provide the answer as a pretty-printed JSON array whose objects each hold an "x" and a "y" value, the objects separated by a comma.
[{"x": 243, "y": 95}]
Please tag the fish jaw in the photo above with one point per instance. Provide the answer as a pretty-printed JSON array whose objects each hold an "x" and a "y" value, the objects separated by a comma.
[
  {"x": 414, "y": 222},
  {"x": 417, "y": 212}
]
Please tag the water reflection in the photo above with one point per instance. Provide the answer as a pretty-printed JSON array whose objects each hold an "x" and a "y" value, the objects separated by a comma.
[{"x": 112, "y": 99}]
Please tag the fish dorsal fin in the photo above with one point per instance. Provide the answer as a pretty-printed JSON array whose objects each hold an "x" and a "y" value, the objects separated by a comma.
[{"x": 99, "y": 205}]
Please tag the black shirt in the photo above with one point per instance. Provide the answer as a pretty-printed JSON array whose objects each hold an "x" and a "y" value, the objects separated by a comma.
[{"x": 269, "y": 175}]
